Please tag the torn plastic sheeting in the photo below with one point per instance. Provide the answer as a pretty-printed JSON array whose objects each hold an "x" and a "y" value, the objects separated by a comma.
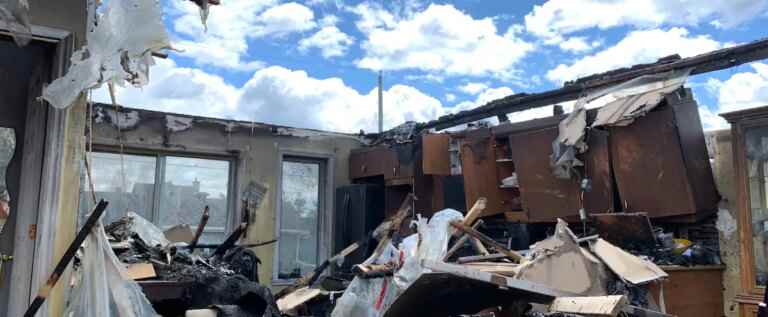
[
  {"x": 102, "y": 289},
  {"x": 147, "y": 231},
  {"x": 14, "y": 16},
  {"x": 431, "y": 243},
  {"x": 119, "y": 50},
  {"x": 368, "y": 297},
  {"x": 372, "y": 297}
]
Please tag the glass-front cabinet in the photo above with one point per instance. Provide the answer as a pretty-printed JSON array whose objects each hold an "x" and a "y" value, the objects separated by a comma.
[{"x": 749, "y": 131}]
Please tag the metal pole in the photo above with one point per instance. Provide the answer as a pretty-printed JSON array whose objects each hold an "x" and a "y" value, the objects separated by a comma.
[{"x": 381, "y": 105}]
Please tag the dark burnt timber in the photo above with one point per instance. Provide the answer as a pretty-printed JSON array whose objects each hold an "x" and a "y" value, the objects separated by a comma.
[{"x": 703, "y": 63}]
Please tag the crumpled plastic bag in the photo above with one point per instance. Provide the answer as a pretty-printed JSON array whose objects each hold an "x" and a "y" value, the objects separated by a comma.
[
  {"x": 372, "y": 297},
  {"x": 102, "y": 290}
]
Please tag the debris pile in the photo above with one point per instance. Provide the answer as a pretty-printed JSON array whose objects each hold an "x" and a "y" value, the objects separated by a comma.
[
  {"x": 422, "y": 274},
  {"x": 177, "y": 277}
]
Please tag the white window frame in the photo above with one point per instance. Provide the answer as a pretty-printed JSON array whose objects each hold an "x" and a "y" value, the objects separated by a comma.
[
  {"x": 160, "y": 166},
  {"x": 325, "y": 202}
]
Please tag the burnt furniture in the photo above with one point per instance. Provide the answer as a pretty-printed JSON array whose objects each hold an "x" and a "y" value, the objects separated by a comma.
[
  {"x": 657, "y": 164},
  {"x": 749, "y": 131},
  {"x": 359, "y": 209}
]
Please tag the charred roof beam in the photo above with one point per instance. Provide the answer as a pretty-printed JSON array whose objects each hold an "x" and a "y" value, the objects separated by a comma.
[{"x": 703, "y": 63}]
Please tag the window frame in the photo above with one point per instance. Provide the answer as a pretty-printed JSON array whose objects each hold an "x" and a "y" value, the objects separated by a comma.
[
  {"x": 325, "y": 204},
  {"x": 160, "y": 167}
]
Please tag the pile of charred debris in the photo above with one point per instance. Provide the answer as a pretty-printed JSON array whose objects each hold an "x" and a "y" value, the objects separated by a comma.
[
  {"x": 181, "y": 276},
  {"x": 419, "y": 272},
  {"x": 442, "y": 266}
]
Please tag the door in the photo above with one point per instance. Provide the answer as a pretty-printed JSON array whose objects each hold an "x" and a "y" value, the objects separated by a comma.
[{"x": 22, "y": 71}]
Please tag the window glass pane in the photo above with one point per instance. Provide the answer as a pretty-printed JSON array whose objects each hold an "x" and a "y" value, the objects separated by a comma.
[
  {"x": 126, "y": 182},
  {"x": 297, "y": 252},
  {"x": 189, "y": 185},
  {"x": 756, "y": 141}
]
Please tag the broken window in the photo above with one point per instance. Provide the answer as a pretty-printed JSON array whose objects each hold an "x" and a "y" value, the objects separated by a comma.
[
  {"x": 757, "y": 164},
  {"x": 300, "y": 209},
  {"x": 168, "y": 190}
]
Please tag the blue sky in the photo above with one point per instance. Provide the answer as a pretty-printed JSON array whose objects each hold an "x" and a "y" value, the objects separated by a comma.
[{"x": 313, "y": 63}]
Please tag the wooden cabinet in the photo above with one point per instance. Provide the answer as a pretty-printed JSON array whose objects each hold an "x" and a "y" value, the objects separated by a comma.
[{"x": 483, "y": 170}]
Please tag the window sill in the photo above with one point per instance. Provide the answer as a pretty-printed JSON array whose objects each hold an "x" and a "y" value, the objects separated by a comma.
[{"x": 283, "y": 282}]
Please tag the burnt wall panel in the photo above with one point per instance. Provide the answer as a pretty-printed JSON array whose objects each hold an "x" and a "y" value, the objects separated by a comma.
[
  {"x": 695, "y": 153},
  {"x": 597, "y": 162},
  {"x": 374, "y": 161},
  {"x": 545, "y": 197},
  {"x": 648, "y": 163},
  {"x": 436, "y": 160}
]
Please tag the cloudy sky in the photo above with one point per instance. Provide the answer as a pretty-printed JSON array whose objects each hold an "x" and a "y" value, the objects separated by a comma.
[{"x": 313, "y": 63}]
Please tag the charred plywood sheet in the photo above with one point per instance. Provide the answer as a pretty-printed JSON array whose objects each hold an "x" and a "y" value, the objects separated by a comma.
[
  {"x": 372, "y": 161},
  {"x": 627, "y": 266},
  {"x": 627, "y": 230},
  {"x": 546, "y": 197},
  {"x": 661, "y": 164},
  {"x": 453, "y": 290},
  {"x": 436, "y": 160},
  {"x": 561, "y": 264}
]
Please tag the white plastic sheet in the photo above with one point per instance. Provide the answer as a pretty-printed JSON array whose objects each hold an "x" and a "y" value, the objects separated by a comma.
[
  {"x": 102, "y": 290},
  {"x": 14, "y": 16},
  {"x": 147, "y": 231},
  {"x": 119, "y": 50},
  {"x": 372, "y": 297}
]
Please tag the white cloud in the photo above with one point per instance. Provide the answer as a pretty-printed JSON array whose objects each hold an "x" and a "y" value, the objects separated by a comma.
[
  {"x": 439, "y": 39},
  {"x": 450, "y": 97},
  {"x": 276, "y": 95},
  {"x": 578, "y": 44},
  {"x": 743, "y": 90},
  {"x": 491, "y": 94},
  {"x": 284, "y": 19},
  {"x": 330, "y": 40},
  {"x": 288, "y": 97},
  {"x": 637, "y": 47},
  {"x": 711, "y": 120},
  {"x": 230, "y": 26},
  {"x": 179, "y": 90},
  {"x": 556, "y": 18},
  {"x": 473, "y": 88}
]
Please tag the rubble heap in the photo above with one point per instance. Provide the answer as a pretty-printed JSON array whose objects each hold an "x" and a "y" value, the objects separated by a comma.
[
  {"x": 177, "y": 278},
  {"x": 421, "y": 274}
]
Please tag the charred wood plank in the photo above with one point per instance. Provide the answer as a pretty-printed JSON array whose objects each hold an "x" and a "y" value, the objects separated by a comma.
[{"x": 42, "y": 294}]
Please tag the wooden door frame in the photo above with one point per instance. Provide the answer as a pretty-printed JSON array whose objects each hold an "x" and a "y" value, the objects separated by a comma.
[
  {"x": 741, "y": 122},
  {"x": 45, "y": 133}
]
